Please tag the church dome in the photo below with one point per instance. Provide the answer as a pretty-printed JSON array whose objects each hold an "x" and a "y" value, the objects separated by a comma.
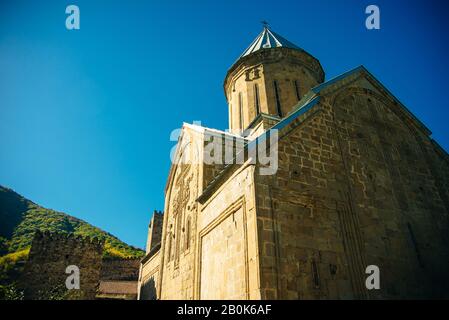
[
  {"x": 269, "y": 78},
  {"x": 268, "y": 39}
]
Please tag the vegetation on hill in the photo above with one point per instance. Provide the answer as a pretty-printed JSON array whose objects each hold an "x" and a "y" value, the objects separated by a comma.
[{"x": 19, "y": 220}]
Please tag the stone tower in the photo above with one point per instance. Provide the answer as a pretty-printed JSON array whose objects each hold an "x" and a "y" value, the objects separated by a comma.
[
  {"x": 154, "y": 231},
  {"x": 264, "y": 85}
]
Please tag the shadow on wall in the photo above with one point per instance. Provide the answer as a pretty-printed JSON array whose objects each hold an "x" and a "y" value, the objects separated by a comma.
[{"x": 148, "y": 290}]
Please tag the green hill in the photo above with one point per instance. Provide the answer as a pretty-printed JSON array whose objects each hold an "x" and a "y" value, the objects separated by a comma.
[{"x": 20, "y": 218}]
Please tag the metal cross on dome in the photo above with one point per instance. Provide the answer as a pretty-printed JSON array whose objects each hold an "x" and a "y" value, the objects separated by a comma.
[{"x": 265, "y": 24}]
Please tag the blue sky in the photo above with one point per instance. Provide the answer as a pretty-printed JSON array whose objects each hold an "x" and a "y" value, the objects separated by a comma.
[{"x": 86, "y": 115}]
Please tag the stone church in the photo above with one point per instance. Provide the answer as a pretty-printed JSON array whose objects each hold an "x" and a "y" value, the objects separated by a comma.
[{"x": 358, "y": 182}]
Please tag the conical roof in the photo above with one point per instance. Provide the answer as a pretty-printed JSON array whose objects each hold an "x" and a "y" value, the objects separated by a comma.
[{"x": 268, "y": 39}]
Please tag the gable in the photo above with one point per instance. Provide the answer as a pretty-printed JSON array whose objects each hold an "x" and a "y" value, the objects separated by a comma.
[{"x": 361, "y": 78}]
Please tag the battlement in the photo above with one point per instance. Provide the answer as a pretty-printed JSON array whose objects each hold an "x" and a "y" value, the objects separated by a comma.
[
  {"x": 158, "y": 214},
  {"x": 60, "y": 239},
  {"x": 50, "y": 254}
]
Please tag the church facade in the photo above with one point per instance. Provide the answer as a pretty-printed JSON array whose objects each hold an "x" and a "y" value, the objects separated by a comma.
[{"x": 354, "y": 181}]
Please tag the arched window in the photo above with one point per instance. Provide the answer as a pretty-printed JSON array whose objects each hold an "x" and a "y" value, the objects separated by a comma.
[{"x": 297, "y": 90}]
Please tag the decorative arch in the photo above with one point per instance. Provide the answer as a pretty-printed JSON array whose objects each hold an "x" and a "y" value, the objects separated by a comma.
[{"x": 181, "y": 193}]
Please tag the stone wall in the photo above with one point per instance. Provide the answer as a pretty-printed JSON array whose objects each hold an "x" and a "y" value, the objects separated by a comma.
[
  {"x": 355, "y": 187},
  {"x": 45, "y": 274},
  {"x": 227, "y": 265},
  {"x": 149, "y": 277},
  {"x": 180, "y": 234},
  {"x": 120, "y": 269},
  {"x": 178, "y": 241}
]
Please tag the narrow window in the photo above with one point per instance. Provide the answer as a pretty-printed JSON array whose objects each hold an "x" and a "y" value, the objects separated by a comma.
[
  {"x": 256, "y": 99},
  {"x": 278, "y": 101},
  {"x": 187, "y": 244},
  {"x": 241, "y": 110},
  {"x": 169, "y": 246},
  {"x": 177, "y": 238},
  {"x": 172, "y": 245},
  {"x": 297, "y": 90}
]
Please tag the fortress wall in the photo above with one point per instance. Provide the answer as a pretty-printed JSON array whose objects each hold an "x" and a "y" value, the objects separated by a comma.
[
  {"x": 123, "y": 269},
  {"x": 45, "y": 274}
]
